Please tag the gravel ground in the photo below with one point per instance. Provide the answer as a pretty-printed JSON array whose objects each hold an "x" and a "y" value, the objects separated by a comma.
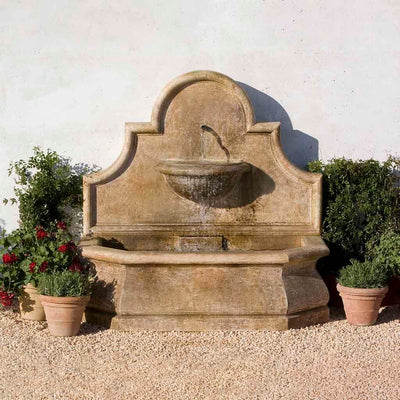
[{"x": 330, "y": 361}]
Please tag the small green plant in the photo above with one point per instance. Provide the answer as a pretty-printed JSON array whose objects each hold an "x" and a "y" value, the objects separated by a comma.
[
  {"x": 65, "y": 284},
  {"x": 45, "y": 185},
  {"x": 360, "y": 202},
  {"x": 363, "y": 275},
  {"x": 387, "y": 252}
]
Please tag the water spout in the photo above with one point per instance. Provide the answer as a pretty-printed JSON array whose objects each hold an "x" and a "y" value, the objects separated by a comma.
[{"x": 206, "y": 128}]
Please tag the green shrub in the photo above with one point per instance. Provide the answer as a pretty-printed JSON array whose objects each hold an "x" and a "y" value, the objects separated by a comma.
[
  {"x": 360, "y": 202},
  {"x": 364, "y": 275},
  {"x": 387, "y": 252},
  {"x": 46, "y": 184},
  {"x": 65, "y": 284}
]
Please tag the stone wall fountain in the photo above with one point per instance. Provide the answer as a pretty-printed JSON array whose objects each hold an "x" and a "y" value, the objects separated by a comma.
[{"x": 202, "y": 223}]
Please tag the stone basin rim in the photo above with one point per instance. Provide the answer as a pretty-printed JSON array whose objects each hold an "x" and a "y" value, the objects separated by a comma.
[
  {"x": 309, "y": 250},
  {"x": 202, "y": 167}
]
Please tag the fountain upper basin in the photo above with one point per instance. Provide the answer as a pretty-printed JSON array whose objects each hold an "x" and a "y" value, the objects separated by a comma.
[{"x": 202, "y": 180}]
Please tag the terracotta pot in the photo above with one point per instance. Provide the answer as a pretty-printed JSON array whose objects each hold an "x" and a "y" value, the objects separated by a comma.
[
  {"x": 30, "y": 305},
  {"x": 64, "y": 314},
  {"x": 362, "y": 305}
]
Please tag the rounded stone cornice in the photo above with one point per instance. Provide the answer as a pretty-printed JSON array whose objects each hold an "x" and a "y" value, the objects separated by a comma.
[{"x": 190, "y": 78}]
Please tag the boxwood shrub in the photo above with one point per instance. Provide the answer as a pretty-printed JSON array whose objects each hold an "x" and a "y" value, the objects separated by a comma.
[
  {"x": 360, "y": 202},
  {"x": 387, "y": 252}
]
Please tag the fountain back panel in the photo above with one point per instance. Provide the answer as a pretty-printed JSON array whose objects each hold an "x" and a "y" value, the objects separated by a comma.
[{"x": 202, "y": 223}]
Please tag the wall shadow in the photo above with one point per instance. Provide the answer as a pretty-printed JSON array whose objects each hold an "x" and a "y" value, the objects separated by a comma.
[
  {"x": 102, "y": 298},
  {"x": 299, "y": 147}
]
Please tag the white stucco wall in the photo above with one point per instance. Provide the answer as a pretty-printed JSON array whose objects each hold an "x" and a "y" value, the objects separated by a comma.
[{"x": 72, "y": 72}]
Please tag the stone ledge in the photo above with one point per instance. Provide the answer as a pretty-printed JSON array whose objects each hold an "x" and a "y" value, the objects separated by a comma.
[{"x": 194, "y": 322}]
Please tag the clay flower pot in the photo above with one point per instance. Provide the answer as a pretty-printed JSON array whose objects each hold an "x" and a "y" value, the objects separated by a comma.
[
  {"x": 64, "y": 314},
  {"x": 362, "y": 305},
  {"x": 30, "y": 305}
]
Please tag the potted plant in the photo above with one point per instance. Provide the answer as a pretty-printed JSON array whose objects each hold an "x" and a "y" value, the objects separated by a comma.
[
  {"x": 362, "y": 286},
  {"x": 29, "y": 253},
  {"x": 64, "y": 296},
  {"x": 17, "y": 274}
]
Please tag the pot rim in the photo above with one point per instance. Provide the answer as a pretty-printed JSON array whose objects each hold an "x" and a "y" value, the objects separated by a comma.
[
  {"x": 362, "y": 291},
  {"x": 64, "y": 300},
  {"x": 29, "y": 286}
]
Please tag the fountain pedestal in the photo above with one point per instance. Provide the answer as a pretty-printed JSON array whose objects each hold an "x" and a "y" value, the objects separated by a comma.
[{"x": 180, "y": 243}]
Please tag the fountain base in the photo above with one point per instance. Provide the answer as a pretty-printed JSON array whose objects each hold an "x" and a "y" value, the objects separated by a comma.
[{"x": 197, "y": 291}]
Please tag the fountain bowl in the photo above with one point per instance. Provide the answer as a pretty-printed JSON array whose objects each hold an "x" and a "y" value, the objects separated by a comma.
[{"x": 202, "y": 181}]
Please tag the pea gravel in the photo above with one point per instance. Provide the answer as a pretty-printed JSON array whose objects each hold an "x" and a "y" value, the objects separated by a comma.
[{"x": 330, "y": 361}]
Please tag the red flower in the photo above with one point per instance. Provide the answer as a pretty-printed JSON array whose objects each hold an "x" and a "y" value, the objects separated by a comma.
[
  {"x": 6, "y": 298},
  {"x": 41, "y": 233},
  {"x": 43, "y": 266},
  {"x": 9, "y": 258},
  {"x": 63, "y": 248},
  {"x": 32, "y": 266},
  {"x": 61, "y": 225}
]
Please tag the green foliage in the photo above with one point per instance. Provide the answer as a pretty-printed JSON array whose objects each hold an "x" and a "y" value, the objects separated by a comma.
[
  {"x": 363, "y": 275},
  {"x": 45, "y": 184},
  {"x": 360, "y": 202},
  {"x": 65, "y": 284},
  {"x": 387, "y": 252}
]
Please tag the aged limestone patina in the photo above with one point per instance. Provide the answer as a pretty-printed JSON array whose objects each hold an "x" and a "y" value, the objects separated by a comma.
[{"x": 202, "y": 223}]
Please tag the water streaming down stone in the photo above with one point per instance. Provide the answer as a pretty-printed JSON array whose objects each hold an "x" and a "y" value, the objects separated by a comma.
[
  {"x": 206, "y": 128},
  {"x": 189, "y": 236}
]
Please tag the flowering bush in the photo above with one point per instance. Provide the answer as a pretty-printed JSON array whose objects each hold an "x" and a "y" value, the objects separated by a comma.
[{"x": 28, "y": 254}]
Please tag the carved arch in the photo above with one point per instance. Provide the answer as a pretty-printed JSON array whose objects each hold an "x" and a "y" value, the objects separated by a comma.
[{"x": 176, "y": 85}]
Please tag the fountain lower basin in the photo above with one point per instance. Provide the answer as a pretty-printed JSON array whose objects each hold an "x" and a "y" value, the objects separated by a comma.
[
  {"x": 208, "y": 290},
  {"x": 202, "y": 181}
]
